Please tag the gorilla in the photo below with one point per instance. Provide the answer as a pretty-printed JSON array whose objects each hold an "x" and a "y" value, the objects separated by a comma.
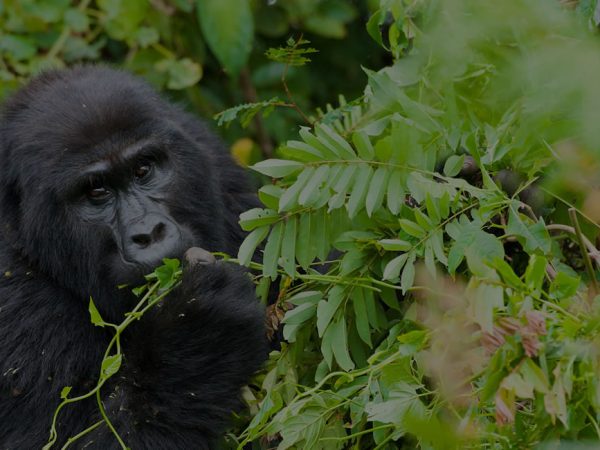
[{"x": 100, "y": 179}]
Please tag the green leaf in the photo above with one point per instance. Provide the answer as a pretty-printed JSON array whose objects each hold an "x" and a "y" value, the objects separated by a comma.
[
  {"x": 64, "y": 393},
  {"x": 304, "y": 254},
  {"x": 563, "y": 286},
  {"x": 363, "y": 145},
  {"x": 289, "y": 198},
  {"x": 277, "y": 168},
  {"x": 76, "y": 20},
  {"x": 453, "y": 165},
  {"x": 269, "y": 195},
  {"x": 181, "y": 73},
  {"x": 272, "y": 249},
  {"x": 334, "y": 141},
  {"x": 361, "y": 316},
  {"x": 336, "y": 336},
  {"x": 533, "y": 375},
  {"x": 412, "y": 228},
  {"x": 376, "y": 190},
  {"x": 95, "y": 316},
  {"x": 300, "y": 314},
  {"x": 535, "y": 272},
  {"x": 393, "y": 268},
  {"x": 257, "y": 217},
  {"x": 395, "y": 192},
  {"x": 312, "y": 187},
  {"x": 228, "y": 29},
  {"x": 111, "y": 365},
  {"x": 532, "y": 237},
  {"x": 342, "y": 186},
  {"x": 408, "y": 273},
  {"x": 395, "y": 245},
  {"x": 327, "y": 308},
  {"x": 18, "y": 47},
  {"x": 248, "y": 247},
  {"x": 507, "y": 273},
  {"x": 359, "y": 191},
  {"x": 288, "y": 246}
]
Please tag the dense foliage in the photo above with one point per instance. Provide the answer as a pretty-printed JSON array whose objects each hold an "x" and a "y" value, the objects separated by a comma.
[
  {"x": 454, "y": 210},
  {"x": 434, "y": 240},
  {"x": 177, "y": 43}
]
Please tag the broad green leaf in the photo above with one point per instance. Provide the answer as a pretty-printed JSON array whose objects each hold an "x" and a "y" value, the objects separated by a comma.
[
  {"x": 337, "y": 337},
  {"x": 534, "y": 375},
  {"x": 356, "y": 202},
  {"x": 312, "y": 187},
  {"x": 328, "y": 152},
  {"x": 334, "y": 141},
  {"x": 341, "y": 187},
  {"x": 289, "y": 198},
  {"x": 564, "y": 286},
  {"x": 288, "y": 246},
  {"x": 302, "y": 151},
  {"x": 433, "y": 210},
  {"x": 111, "y": 365},
  {"x": 272, "y": 249},
  {"x": 395, "y": 245},
  {"x": 76, "y": 19},
  {"x": 300, "y": 314},
  {"x": 453, "y": 165},
  {"x": 269, "y": 195},
  {"x": 277, "y": 168},
  {"x": 95, "y": 316},
  {"x": 408, "y": 273},
  {"x": 304, "y": 254},
  {"x": 393, "y": 268},
  {"x": 532, "y": 237},
  {"x": 228, "y": 28},
  {"x": 257, "y": 217},
  {"x": 377, "y": 190},
  {"x": 64, "y": 393},
  {"x": 363, "y": 145},
  {"x": 395, "y": 192},
  {"x": 312, "y": 297},
  {"x": 327, "y": 308},
  {"x": 253, "y": 240},
  {"x": 361, "y": 317},
  {"x": 507, "y": 273},
  {"x": 412, "y": 228},
  {"x": 535, "y": 272}
]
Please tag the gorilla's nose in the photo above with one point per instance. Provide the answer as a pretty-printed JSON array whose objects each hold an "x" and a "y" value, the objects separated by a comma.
[
  {"x": 145, "y": 239},
  {"x": 150, "y": 239}
]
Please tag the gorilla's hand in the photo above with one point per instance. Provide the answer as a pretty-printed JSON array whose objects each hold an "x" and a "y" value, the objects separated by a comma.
[{"x": 184, "y": 363}]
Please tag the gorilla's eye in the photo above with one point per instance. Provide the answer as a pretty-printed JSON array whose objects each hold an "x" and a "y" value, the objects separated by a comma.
[
  {"x": 142, "y": 170},
  {"x": 97, "y": 190}
]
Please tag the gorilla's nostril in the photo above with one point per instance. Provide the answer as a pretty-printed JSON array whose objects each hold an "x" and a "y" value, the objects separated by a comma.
[
  {"x": 143, "y": 240},
  {"x": 158, "y": 233}
]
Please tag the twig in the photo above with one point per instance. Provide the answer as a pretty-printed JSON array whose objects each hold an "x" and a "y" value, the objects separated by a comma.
[
  {"x": 582, "y": 245},
  {"x": 594, "y": 253},
  {"x": 287, "y": 89}
]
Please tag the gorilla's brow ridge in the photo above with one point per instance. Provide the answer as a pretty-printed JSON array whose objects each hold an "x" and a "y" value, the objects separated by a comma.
[{"x": 114, "y": 164}]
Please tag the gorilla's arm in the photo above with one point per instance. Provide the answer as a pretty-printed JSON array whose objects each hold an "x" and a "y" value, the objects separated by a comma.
[
  {"x": 185, "y": 363},
  {"x": 46, "y": 343}
]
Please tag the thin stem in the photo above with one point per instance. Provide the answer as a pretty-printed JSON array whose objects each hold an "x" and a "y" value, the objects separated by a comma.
[
  {"x": 81, "y": 434},
  {"x": 582, "y": 245}
]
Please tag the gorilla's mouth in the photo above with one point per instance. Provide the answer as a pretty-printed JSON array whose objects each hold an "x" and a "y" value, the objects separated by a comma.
[{"x": 125, "y": 271}]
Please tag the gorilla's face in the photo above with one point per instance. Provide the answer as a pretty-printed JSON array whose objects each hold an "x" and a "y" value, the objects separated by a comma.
[
  {"x": 126, "y": 197},
  {"x": 101, "y": 179}
]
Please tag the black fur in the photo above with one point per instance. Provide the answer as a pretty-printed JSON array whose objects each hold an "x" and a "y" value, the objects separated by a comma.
[{"x": 184, "y": 363}]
